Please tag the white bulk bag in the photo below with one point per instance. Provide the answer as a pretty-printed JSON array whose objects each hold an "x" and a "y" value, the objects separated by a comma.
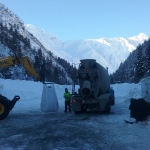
[{"x": 49, "y": 102}]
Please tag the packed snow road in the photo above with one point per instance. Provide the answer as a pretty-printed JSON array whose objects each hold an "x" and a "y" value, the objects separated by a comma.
[
  {"x": 28, "y": 128},
  {"x": 67, "y": 131}
]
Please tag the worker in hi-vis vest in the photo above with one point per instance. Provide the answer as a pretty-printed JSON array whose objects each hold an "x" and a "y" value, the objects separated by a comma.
[{"x": 67, "y": 97}]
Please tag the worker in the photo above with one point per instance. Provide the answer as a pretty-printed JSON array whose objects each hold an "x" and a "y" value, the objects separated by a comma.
[
  {"x": 112, "y": 96},
  {"x": 111, "y": 92},
  {"x": 67, "y": 97}
]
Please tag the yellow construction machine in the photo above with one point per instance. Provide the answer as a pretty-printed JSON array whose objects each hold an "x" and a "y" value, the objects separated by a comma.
[{"x": 5, "y": 104}]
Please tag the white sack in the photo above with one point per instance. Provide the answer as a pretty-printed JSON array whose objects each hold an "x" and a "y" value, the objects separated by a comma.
[{"x": 49, "y": 102}]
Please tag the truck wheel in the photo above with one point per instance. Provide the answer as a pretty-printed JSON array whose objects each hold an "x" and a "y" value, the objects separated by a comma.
[
  {"x": 4, "y": 109},
  {"x": 108, "y": 107},
  {"x": 83, "y": 108},
  {"x": 77, "y": 112}
]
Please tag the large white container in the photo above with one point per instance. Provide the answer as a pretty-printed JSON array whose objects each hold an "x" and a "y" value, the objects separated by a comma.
[
  {"x": 49, "y": 101},
  {"x": 145, "y": 88}
]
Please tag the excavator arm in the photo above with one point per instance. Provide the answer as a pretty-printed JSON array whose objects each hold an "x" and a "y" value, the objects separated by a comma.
[
  {"x": 25, "y": 61},
  {"x": 5, "y": 104},
  {"x": 7, "y": 61}
]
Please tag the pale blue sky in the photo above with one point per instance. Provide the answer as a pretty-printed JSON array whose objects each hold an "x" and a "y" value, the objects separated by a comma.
[{"x": 81, "y": 19}]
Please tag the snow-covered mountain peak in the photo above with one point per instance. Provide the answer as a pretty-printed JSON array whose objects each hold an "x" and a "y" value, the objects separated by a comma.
[
  {"x": 141, "y": 37},
  {"x": 109, "y": 52},
  {"x": 49, "y": 41},
  {"x": 40, "y": 31},
  {"x": 101, "y": 40},
  {"x": 7, "y": 17}
]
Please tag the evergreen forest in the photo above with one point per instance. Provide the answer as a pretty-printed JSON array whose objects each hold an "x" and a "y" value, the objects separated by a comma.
[
  {"x": 50, "y": 67},
  {"x": 135, "y": 67}
]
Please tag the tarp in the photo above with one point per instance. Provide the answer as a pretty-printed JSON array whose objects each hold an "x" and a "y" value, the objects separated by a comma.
[{"x": 49, "y": 102}]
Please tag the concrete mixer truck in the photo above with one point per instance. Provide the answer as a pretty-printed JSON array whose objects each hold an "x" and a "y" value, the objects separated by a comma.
[{"x": 94, "y": 88}]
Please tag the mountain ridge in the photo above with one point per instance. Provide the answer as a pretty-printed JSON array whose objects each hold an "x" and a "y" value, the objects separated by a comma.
[{"x": 109, "y": 52}]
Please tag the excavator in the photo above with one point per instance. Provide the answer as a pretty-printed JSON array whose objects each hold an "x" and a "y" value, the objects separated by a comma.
[{"x": 6, "y": 105}]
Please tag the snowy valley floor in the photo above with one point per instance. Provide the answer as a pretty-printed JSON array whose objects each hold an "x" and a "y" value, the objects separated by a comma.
[{"x": 27, "y": 128}]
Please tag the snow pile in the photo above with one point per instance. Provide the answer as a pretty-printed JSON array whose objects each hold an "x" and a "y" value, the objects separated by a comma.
[
  {"x": 30, "y": 93},
  {"x": 127, "y": 90}
]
